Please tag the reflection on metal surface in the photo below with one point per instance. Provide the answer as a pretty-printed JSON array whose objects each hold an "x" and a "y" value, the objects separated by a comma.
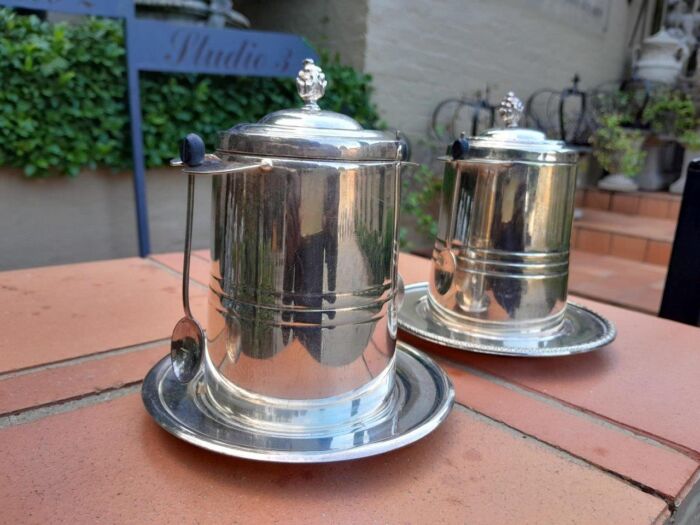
[
  {"x": 500, "y": 261},
  {"x": 419, "y": 401},
  {"x": 301, "y": 278},
  {"x": 580, "y": 330},
  {"x": 304, "y": 291},
  {"x": 187, "y": 342}
]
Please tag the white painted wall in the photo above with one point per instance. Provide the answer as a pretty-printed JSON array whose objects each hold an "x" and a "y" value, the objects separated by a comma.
[
  {"x": 60, "y": 220},
  {"x": 421, "y": 52},
  {"x": 340, "y": 26}
]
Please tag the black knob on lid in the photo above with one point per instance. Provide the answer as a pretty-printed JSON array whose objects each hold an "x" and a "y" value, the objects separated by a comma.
[
  {"x": 192, "y": 150},
  {"x": 459, "y": 148}
]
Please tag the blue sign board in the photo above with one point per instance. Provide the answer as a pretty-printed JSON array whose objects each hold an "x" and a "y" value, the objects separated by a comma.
[
  {"x": 153, "y": 45},
  {"x": 162, "y": 46}
]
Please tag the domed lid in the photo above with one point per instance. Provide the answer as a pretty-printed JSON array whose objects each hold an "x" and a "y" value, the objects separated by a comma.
[
  {"x": 513, "y": 143},
  {"x": 310, "y": 132},
  {"x": 662, "y": 38}
]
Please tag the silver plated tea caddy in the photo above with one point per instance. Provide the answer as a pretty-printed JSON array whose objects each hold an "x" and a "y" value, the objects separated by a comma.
[
  {"x": 500, "y": 265},
  {"x": 299, "y": 362}
]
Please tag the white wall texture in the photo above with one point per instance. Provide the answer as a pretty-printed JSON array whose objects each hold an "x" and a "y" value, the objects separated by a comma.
[
  {"x": 336, "y": 25},
  {"x": 421, "y": 52},
  {"x": 60, "y": 220}
]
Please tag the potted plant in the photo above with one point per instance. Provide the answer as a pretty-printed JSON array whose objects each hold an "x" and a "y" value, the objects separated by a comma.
[
  {"x": 671, "y": 116},
  {"x": 619, "y": 151}
]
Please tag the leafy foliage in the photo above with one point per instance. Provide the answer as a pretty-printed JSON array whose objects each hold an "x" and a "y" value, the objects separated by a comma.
[
  {"x": 625, "y": 119},
  {"x": 63, "y": 98},
  {"x": 672, "y": 113},
  {"x": 419, "y": 196},
  {"x": 617, "y": 148},
  {"x": 174, "y": 105}
]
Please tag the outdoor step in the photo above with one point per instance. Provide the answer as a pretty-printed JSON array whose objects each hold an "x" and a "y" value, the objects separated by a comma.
[
  {"x": 621, "y": 282},
  {"x": 637, "y": 238},
  {"x": 659, "y": 205}
]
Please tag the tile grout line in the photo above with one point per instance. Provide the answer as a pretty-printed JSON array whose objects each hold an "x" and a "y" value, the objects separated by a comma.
[
  {"x": 34, "y": 414},
  {"x": 688, "y": 501},
  {"x": 175, "y": 273},
  {"x": 84, "y": 359},
  {"x": 667, "y": 499},
  {"x": 653, "y": 238},
  {"x": 205, "y": 259},
  {"x": 689, "y": 485},
  {"x": 37, "y": 413},
  {"x": 58, "y": 402},
  {"x": 592, "y": 417}
]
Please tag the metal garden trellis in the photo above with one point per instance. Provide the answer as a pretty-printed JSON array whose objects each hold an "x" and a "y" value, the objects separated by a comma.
[{"x": 153, "y": 45}]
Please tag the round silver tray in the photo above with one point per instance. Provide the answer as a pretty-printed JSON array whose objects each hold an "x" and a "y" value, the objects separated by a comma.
[
  {"x": 582, "y": 330},
  {"x": 423, "y": 392}
]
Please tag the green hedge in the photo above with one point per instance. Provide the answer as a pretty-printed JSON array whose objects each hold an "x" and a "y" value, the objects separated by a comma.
[{"x": 63, "y": 98}]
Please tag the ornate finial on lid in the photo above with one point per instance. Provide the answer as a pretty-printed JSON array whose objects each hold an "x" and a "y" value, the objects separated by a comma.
[
  {"x": 510, "y": 110},
  {"x": 311, "y": 83}
]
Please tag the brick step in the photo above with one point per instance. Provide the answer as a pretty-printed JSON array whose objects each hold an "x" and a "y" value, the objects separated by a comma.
[
  {"x": 636, "y": 238},
  {"x": 621, "y": 282},
  {"x": 659, "y": 205}
]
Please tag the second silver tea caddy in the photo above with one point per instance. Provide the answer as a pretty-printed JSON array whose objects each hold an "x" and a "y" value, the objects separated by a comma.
[
  {"x": 299, "y": 362},
  {"x": 499, "y": 271}
]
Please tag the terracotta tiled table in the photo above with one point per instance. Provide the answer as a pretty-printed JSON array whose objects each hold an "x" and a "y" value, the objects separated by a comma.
[{"x": 608, "y": 437}]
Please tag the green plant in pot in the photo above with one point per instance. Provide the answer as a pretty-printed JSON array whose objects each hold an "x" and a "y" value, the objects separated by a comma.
[
  {"x": 619, "y": 150},
  {"x": 671, "y": 117}
]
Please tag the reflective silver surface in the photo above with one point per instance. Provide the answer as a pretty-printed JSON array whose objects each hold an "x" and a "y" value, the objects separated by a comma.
[
  {"x": 187, "y": 344},
  {"x": 500, "y": 261},
  {"x": 187, "y": 341},
  {"x": 304, "y": 290},
  {"x": 420, "y": 399},
  {"x": 302, "y": 281},
  {"x": 581, "y": 330}
]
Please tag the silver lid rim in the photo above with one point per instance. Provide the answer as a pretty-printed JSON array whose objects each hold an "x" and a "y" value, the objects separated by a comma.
[
  {"x": 364, "y": 145},
  {"x": 517, "y": 144},
  {"x": 546, "y": 152}
]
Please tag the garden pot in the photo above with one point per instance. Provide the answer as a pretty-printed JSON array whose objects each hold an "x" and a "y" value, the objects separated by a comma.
[
  {"x": 618, "y": 182},
  {"x": 216, "y": 13},
  {"x": 651, "y": 177},
  {"x": 661, "y": 58},
  {"x": 688, "y": 156}
]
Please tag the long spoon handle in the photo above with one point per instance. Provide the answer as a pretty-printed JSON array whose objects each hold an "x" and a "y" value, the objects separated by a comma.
[{"x": 188, "y": 247}]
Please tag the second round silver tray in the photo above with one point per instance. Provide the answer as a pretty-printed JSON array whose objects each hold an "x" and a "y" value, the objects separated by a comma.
[
  {"x": 582, "y": 330},
  {"x": 423, "y": 399}
]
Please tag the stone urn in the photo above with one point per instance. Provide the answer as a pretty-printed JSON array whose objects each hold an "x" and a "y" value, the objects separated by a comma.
[
  {"x": 216, "y": 13},
  {"x": 661, "y": 58},
  {"x": 689, "y": 156}
]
